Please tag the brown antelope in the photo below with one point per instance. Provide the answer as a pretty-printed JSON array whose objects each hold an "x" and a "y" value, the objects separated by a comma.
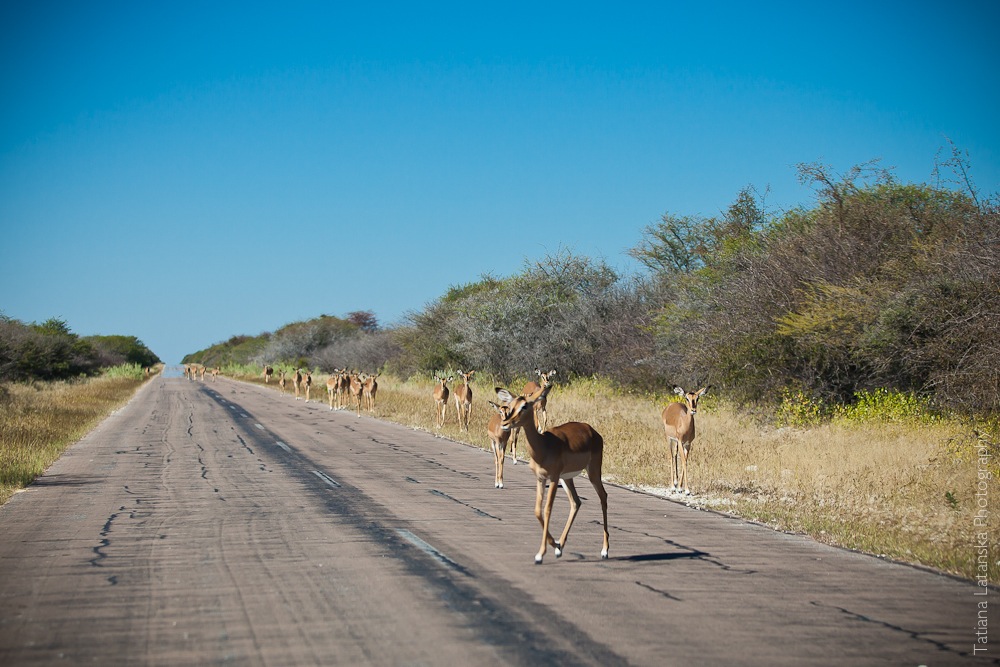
[
  {"x": 357, "y": 389},
  {"x": 498, "y": 439},
  {"x": 441, "y": 393},
  {"x": 201, "y": 370},
  {"x": 268, "y": 372},
  {"x": 331, "y": 386},
  {"x": 307, "y": 383},
  {"x": 343, "y": 388},
  {"x": 369, "y": 390},
  {"x": 296, "y": 381},
  {"x": 463, "y": 399},
  {"x": 561, "y": 453},
  {"x": 282, "y": 382},
  {"x": 215, "y": 373},
  {"x": 678, "y": 423},
  {"x": 544, "y": 380}
]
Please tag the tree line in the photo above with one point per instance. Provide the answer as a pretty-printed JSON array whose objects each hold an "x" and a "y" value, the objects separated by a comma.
[
  {"x": 51, "y": 351},
  {"x": 879, "y": 285}
]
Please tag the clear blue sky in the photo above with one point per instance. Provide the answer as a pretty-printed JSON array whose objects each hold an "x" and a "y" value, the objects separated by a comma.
[{"x": 185, "y": 172}]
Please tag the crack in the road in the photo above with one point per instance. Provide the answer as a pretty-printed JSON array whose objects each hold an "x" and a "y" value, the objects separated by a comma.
[{"x": 912, "y": 634}]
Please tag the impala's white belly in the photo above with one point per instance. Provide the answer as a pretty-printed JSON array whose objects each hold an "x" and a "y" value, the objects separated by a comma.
[{"x": 569, "y": 475}]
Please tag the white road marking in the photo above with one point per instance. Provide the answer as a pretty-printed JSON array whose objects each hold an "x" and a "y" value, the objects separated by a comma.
[
  {"x": 279, "y": 443},
  {"x": 326, "y": 478},
  {"x": 427, "y": 548},
  {"x": 259, "y": 426}
]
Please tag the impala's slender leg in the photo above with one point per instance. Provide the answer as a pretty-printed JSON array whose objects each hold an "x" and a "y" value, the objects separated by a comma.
[
  {"x": 594, "y": 475},
  {"x": 545, "y": 518},
  {"x": 674, "y": 463},
  {"x": 574, "y": 507},
  {"x": 684, "y": 468}
]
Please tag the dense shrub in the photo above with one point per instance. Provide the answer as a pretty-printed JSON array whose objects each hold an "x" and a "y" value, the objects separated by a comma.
[
  {"x": 880, "y": 285},
  {"x": 51, "y": 351},
  {"x": 119, "y": 350}
]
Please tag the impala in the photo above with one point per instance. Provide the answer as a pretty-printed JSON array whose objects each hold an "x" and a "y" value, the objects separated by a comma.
[
  {"x": 463, "y": 399},
  {"x": 441, "y": 393},
  {"x": 307, "y": 383},
  {"x": 357, "y": 388},
  {"x": 215, "y": 373},
  {"x": 370, "y": 389},
  {"x": 332, "y": 383},
  {"x": 282, "y": 382},
  {"x": 296, "y": 382},
  {"x": 268, "y": 372},
  {"x": 561, "y": 453},
  {"x": 678, "y": 423},
  {"x": 343, "y": 388},
  {"x": 499, "y": 438},
  {"x": 544, "y": 380}
]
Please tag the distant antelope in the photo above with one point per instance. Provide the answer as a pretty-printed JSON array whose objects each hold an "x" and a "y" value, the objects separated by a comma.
[
  {"x": 463, "y": 399},
  {"x": 343, "y": 388},
  {"x": 357, "y": 388},
  {"x": 215, "y": 373},
  {"x": 678, "y": 423},
  {"x": 441, "y": 393},
  {"x": 282, "y": 382},
  {"x": 307, "y": 383},
  {"x": 268, "y": 372},
  {"x": 541, "y": 414},
  {"x": 296, "y": 382},
  {"x": 499, "y": 438},
  {"x": 370, "y": 389},
  {"x": 331, "y": 386}
]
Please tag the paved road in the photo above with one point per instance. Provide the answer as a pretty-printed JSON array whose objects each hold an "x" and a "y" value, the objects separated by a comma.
[{"x": 212, "y": 523}]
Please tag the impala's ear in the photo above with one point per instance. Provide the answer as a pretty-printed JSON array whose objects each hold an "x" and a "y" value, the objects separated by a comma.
[
  {"x": 495, "y": 406},
  {"x": 704, "y": 390},
  {"x": 450, "y": 378},
  {"x": 504, "y": 395}
]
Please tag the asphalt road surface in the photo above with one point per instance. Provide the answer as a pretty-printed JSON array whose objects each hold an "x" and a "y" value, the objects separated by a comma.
[{"x": 221, "y": 523}]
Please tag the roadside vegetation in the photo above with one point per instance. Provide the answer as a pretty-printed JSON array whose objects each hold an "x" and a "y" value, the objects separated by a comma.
[
  {"x": 39, "y": 420},
  {"x": 55, "y": 386}
]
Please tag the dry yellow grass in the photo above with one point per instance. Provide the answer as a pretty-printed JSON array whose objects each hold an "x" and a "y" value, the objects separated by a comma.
[
  {"x": 38, "y": 421},
  {"x": 905, "y": 491}
]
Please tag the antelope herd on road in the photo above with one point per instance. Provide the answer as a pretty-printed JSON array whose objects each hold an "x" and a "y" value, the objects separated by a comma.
[{"x": 555, "y": 455}]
